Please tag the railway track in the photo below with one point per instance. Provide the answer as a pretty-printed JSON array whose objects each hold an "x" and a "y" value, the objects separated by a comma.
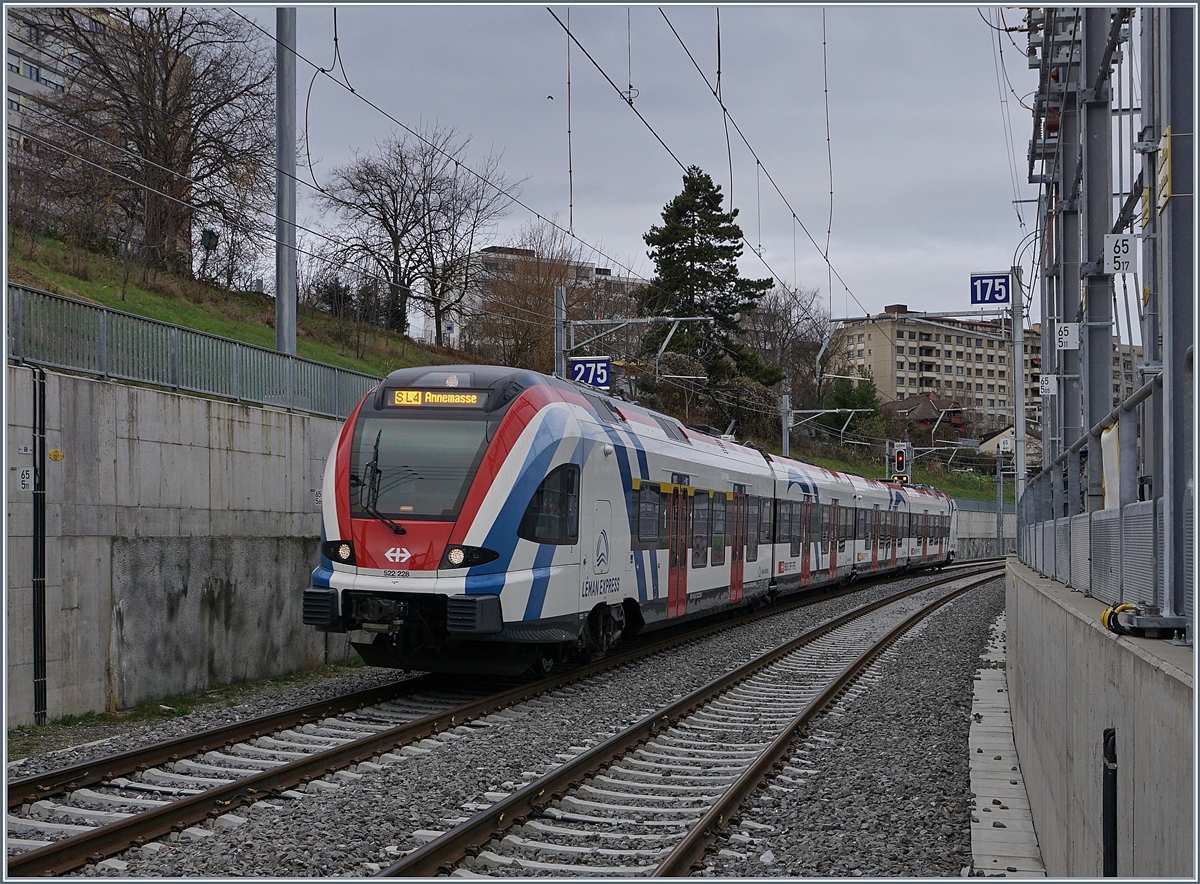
[
  {"x": 64, "y": 819},
  {"x": 650, "y": 800}
]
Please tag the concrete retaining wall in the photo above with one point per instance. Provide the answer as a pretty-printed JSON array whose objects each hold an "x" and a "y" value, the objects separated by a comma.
[
  {"x": 977, "y": 535},
  {"x": 180, "y": 535},
  {"x": 1069, "y": 679}
]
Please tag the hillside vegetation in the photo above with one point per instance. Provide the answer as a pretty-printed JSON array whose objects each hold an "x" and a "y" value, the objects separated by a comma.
[{"x": 249, "y": 317}]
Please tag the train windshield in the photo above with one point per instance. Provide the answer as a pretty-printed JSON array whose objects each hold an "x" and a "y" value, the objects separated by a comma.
[{"x": 415, "y": 467}]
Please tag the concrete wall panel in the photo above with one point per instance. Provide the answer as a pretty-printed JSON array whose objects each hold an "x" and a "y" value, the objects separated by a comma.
[
  {"x": 192, "y": 612},
  {"x": 180, "y": 535},
  {"x": 1070, "y": 679}
]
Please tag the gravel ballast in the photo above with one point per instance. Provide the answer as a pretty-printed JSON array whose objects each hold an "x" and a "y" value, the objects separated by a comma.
[
  {"x": 872, "y": 809},
  {"x": 886, "y": 788}
]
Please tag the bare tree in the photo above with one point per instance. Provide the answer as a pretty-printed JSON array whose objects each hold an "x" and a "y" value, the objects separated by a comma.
[
  {"x": 176, "y": 103},
  {"x": 788, "y": 328},
  {"x": 514, "y": 321},
  {"x": 413, "y": 211},
  {"x": 462, "y": 210}
]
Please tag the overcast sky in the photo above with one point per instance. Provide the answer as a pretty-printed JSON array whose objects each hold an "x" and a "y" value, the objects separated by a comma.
[{"x": 922, "y": 182}]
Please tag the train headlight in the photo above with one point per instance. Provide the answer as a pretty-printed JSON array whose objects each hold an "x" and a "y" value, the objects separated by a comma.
[
  {"x": 340, "y": 551},
  {"x": 467, "y": 556}
]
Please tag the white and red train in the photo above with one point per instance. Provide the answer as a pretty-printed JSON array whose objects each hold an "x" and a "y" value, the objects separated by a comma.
[{"x": 482, "y": 518}]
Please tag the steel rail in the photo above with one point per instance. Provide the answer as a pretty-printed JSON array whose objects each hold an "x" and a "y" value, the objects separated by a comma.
[
  {"x": 103, "y": 841},
  {"x": 89, "y": 772},
  {"x": 700, "y": 837},
  {"x": 439, "y": 855}
]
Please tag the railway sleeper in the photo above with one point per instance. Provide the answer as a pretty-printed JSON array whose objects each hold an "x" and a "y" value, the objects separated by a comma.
[
  {"x": 106, "y": 799},
  {"x": 659, "y": 786},
  {"x": 569, "y": 802},
  {"x": 517, "y": 842},
  {"x": 569, "y": 815},
  {"x": 669, "y": 799},
  {"x": 676, "y": 776},
  {"x": 690, "y": 744},
  {"x": 151, "y": 788},
  {"x": 166, "y": 778},
  {"x": 488, "y": 858},
  {"x": 48, "y": 809},
  {"x": 537, "y": 827}
]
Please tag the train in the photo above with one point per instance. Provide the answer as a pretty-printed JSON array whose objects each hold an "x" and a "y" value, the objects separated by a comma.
[{"x": 495, "y": 520}]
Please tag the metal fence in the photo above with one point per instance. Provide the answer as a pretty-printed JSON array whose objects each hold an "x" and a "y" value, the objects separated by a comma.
[
  {"x": 1114, "y": 554},
  {"x": 57, "y": 332}
]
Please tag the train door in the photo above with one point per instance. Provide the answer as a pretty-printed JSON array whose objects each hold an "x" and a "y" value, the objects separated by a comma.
[
  {"x": 804, "y": 532},
  {"x": 679, "y": 546},
  {"x": 893, "y": 528},
  {"x": 737, "y": 551},
  {"x": 874, "y": 532},
  {"x": 924, "y": 529},
  {"x": 834, "y": 516}
]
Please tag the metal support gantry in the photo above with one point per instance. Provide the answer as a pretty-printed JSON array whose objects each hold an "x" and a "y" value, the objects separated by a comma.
[{"x": 1115, "y": 517}]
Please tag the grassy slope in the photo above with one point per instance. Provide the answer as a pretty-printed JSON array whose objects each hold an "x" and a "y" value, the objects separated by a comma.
[
  {"x": 243, "y": 316},
  {"x": 966, "y": 484}
]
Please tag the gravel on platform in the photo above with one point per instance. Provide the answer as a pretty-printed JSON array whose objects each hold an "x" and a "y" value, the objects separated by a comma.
[
  {"x": 367, "y": 823},
  {"x": 882, "y": 787}
]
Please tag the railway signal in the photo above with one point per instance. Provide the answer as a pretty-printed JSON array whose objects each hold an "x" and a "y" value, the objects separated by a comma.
[{"x": 900, "y": 462}]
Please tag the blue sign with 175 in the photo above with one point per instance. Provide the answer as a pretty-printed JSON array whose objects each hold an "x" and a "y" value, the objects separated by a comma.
[{"x": 991, "y": 288}]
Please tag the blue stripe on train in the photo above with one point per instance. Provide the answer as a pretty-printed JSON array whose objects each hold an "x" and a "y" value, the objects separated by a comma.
[
  {"x": 502, "y": 536},
  {"x": 622, "y": 452}
]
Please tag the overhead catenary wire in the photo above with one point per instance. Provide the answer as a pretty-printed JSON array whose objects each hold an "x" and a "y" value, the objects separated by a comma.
[
  {"x": 796, "y": 218},
  {"x": 516, "y": 200},
  {"x": 1009, "y": 150},
  {"x": 658, "y": 138},
  {"x": 542, "y": 319}
]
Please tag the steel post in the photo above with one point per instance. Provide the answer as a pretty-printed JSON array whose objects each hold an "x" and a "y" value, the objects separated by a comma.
[
  {"x": 1177, "y": 246},
  {"x": 285, "y": 181},
  {"x": 1096, "y": 197},
  {"x": 560, "y": 331}
]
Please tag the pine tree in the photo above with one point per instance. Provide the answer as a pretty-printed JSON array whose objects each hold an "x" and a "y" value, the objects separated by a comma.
[{"x": 695, "y": 253}]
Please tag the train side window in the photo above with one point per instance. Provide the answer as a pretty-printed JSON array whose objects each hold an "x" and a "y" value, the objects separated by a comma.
[
  {"x": 720, "y": 510},
  {"x": 648, "y": 516},
  {"x": 664, "y": 519},
  {"x": 784, "y": 524},
  {"x": 862, "y": 523},
  {"x": 700, "y": 527},
  {"x": 753, "y": 507},
  {"x": 553, "y": 512},
  {"x": 825, "y": 528},
  {"x": 765, "y": 520}
]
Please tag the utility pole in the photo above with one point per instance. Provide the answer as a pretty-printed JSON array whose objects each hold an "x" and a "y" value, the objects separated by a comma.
[
  {"x": 1096, "y": 336},
  {"x": 1018, "y": 375},
  {"x": 285, "y": 181},
  {"x": 560, "y": 332},
  {"x": 785, "y": 406},
  {"x": 999, "y": 504}
]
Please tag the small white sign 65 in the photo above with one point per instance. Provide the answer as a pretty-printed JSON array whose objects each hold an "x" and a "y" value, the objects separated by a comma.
[{"x": 1120, "y": 253}]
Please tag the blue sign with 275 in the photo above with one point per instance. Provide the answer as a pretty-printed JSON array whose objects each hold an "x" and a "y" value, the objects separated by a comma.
[
  {"x": 595, "y": 371},
  {"x": 991, "y": 288}
]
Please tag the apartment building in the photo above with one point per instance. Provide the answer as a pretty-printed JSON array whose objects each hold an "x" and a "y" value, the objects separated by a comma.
[
  {"x": 519, "y": 279},
  {"x": 37, "y": 65},
  {"x": 969, "y": 361}
]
